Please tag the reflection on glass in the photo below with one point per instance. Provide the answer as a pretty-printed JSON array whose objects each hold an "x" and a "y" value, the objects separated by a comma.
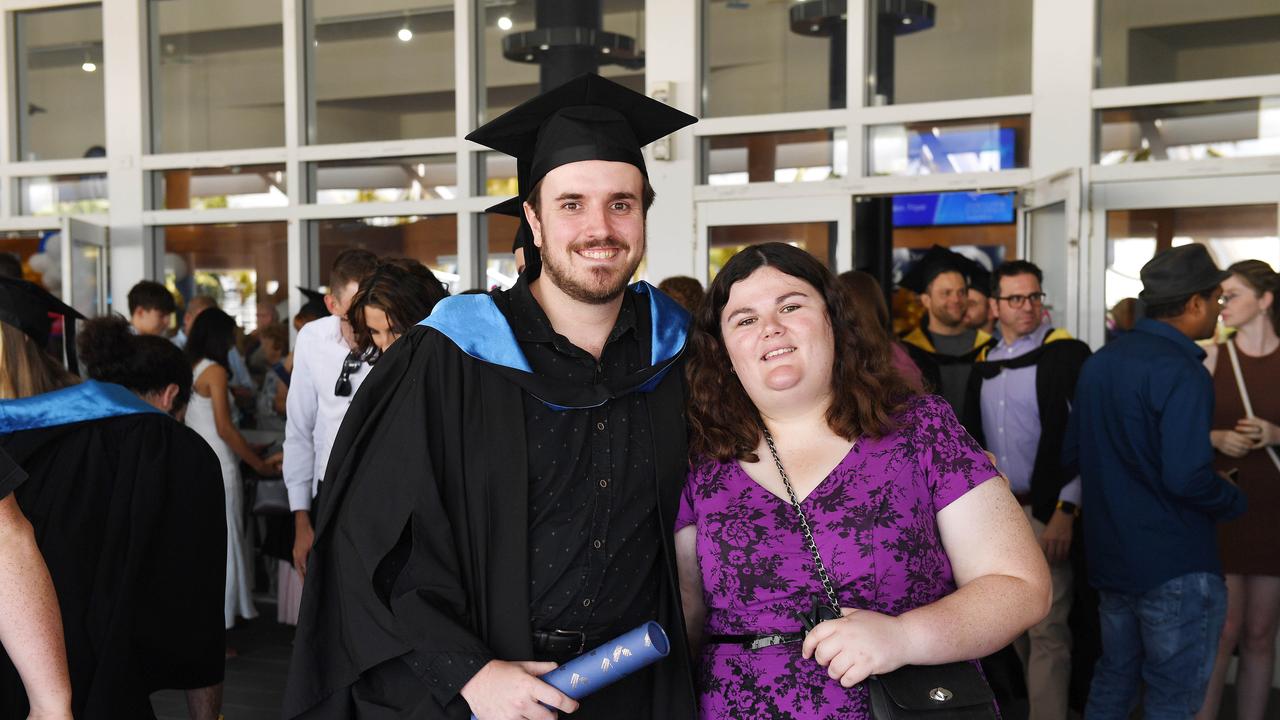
[
  {"x": 1231, "y": 233},
  {"x": 1190, "y": 131},
  {"x": 240, "y": 186},
  {"x": 723, "y": 242},
  {"x": 965, "y": 49},
  {"x": 497, "y": 175},
  {"x": 347, "y": 182},
  {"x": 59, "y": 110},
  {"x": 784, "y": 157},
  {"x": 63, "y": 195},
  {"x": 429, "y": 239},
  {"x": 953, "y": 146},
  {"x": 771, "y": 57},
  {"x": 509, "y": 78},
  {"x": 1154, "y": 41},
  {"x": 238, "y": 265},
  {"x": 88, "y": 274},
  {"x": 218, "y": 79},
  {"x": 379, "y": 72}
]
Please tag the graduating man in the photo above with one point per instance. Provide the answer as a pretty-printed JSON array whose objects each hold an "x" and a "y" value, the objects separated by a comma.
[{"x": 502, "y": 492}]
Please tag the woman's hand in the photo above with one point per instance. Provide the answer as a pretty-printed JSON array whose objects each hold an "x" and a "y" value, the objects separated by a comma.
[
  {"x": 857, "y": 645},
  {"x": 269, "y": 467},
  {"x": 1260, "y": 433},
  {"x": 1230, "y": 443}
]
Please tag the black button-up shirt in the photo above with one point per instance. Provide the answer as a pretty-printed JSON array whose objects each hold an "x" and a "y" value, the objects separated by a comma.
[{"x": 593, "y": 528}]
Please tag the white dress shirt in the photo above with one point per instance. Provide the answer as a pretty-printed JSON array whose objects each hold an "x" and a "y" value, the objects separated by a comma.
[{"x": 315, "y": 412}]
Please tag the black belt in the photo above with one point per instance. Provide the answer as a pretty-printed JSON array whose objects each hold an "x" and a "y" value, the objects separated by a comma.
[
  {"x": 756, "y": 642},
  {"x": 559, "y": 642}
]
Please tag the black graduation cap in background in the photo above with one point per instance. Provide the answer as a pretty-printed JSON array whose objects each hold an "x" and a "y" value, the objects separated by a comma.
[
  {"x": 514, "y": 207},
  {"x": 587, "y": 118},
  {"x": 939, "y": 260},
  {"x": 27, "y": 306},
  {"x": 315, "y": 302}
]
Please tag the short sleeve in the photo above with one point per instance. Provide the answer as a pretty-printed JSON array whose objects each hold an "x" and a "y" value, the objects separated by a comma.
[
  {"x": 952, "y": 462},
  {"x": 686, "y": 515},
  {"x": 11, "y": 476}
]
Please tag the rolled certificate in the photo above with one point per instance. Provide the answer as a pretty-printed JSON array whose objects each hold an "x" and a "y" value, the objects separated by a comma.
[{"x": 609, "y": 663}]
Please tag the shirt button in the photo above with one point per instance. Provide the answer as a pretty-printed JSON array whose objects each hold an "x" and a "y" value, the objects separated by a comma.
[
  {"x": 597, "y": 544},
  {"x": 586, "y": 603},
  {"x": 599, "y": 426},
  {"x": 604, "y": 483}
]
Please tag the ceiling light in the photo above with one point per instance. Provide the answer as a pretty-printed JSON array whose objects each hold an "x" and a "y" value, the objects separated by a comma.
[
  {"x": 405, "y": 34},
  {"x": 504, "y": 23},
  {"x": 88, "y": 66},
  {"x": 906, "y": 21}
]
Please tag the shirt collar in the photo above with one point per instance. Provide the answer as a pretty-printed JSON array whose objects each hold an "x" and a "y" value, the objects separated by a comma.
[
  {"x": 1169, "y": 332},
  {"x": 1026, "y": 343},
  {"x": 530, "y": 323}
]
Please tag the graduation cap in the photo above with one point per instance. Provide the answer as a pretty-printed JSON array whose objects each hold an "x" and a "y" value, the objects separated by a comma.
[
  {"x": 936, "y": 261},
  {"x": 27, "y": 307},
  {"x": 587, "y": 118},
  {"x": 314, "y": 304}
]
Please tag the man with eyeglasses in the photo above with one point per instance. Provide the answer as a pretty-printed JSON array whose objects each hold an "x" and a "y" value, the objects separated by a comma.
[
  {"x": 326, "y": 375},
  {"x": 1020, "y": 400}
]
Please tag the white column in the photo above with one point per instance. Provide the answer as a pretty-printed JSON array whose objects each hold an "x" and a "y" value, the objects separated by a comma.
[
  {"x": 672, "y": 33},
  {"x": 1061, "y": 80},
  {"x": 133, "y": 255}
]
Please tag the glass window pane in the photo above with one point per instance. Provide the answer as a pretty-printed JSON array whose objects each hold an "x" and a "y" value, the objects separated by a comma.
[
  {"x": 380, "y": 72},
  {"x": 63, "y": 195},
  {"x": 771, "y": 57},
  {"x": 429, "y": 239},
  {"x": 723, "y": 242},
  {"x": 423, "y": 177},
  {"x": 1190, "y": 131},
  {"x": 217, "y": 75},
  {"x": 240, "y": 186},
  {"x": 964, "y": 49},
  {"x": 1231, "y": 233},
  {"x": 239, "y": 265},
  {"x": 1155, "y": 41},
  {"x": 60, "y": 109},
  {"x": 952, "y": 146},
  {"x": 511, "y": 76},
  {"x": 784, "y": 157},
  {"x": 497, "y": 175}
]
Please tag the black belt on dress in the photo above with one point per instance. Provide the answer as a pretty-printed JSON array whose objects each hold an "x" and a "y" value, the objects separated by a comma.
[
  {"x": 560, "y": 642},
  {"x": 756, "y": 642}
]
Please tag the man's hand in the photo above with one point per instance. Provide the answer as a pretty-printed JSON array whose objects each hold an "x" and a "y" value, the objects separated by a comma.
[
  {"x": 303, "y": 538},
  {"x": 512, "y": 691},
  {"x": 1231, "y": 443},
  {"x": 1056, "y": 538},
  {"x": 1259, "y": 432}
]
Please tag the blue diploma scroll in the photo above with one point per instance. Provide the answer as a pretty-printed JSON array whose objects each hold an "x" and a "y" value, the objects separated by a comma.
[{"x": 609, "y": 663}]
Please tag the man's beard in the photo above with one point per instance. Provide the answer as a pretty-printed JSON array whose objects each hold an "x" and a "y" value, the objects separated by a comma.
[{"x": 605, "y": 290}]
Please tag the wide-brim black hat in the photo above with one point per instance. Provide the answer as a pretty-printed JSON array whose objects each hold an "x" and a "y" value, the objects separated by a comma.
[{"x": 1178, "y": 273}]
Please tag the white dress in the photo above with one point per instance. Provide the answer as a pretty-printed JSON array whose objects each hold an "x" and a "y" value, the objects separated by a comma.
[{"x": 236, "y": 599}]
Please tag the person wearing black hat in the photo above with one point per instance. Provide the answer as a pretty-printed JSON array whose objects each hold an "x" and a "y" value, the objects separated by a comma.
[
  {"x": 943, "y": 346},
  {"x": 502, "y": 494},
  {"x": 123, "y": 502},
  {"x": 313, "y": 309},
  {"x": 1139, "y": 434}
]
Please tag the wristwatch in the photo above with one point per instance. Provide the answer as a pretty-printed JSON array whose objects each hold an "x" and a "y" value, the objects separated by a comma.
[{"x": 1069, "y": 507}]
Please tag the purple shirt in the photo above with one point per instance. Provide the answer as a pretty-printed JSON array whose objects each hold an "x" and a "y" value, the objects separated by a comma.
[{"x": 1011, "y": 415}]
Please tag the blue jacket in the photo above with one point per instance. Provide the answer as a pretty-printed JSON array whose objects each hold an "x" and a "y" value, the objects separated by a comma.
[{"x": 1139, "y": 432}]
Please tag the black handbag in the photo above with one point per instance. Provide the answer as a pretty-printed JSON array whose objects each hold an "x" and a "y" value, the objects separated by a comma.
[
  {"x": 270, "y": 497},
  {"x": 953, "y": 691}
]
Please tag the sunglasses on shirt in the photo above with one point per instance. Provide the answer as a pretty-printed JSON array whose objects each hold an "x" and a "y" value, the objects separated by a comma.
[{"x": 350, "y": 365}]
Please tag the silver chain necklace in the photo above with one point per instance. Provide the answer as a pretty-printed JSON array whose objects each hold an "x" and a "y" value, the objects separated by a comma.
[{"x": 819, "y": 568}]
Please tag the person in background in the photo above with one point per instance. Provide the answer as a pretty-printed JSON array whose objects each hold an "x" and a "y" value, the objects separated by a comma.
[
  {"x": 1020, "y": 400},
  {"x": 397, "y": 295},
  {"x": 265, "y": 316},
  {"x": 313, "y": 308},
  {"x": 944, "y": 347},
  {"x": 1246, "y": 443},
  {"x": 979, "y": 315},
  {"x": 685, "y": 290},
  {"x": 10, "y": 266},
  {"x": 123, "y": 504},
  {"x": 1139, "y": 433},
  {"x": 151, "y": 308},
  {"x": 274, "y": 392},
  {"x": 1122, "y": 318},
  {"x": 241, "y": 382},
  {"x": 868, "y": 298},
  {"x": 209, "y": 414}
]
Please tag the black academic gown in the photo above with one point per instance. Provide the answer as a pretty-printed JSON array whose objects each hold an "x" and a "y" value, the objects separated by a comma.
[
  {"x": 420, "y": 562},
  {"x": 128, "y": 513}
]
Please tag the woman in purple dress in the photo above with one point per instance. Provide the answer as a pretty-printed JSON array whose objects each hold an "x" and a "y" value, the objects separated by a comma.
[{"x": 929, "y": 555}]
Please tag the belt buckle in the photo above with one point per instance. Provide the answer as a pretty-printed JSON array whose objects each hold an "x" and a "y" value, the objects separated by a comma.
[{"x": 578, "y": 635}]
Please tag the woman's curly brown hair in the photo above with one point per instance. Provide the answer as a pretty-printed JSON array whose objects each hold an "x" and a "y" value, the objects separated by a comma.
[
  {"x": 866, "y": 389},
  {"x": 404, "y": 289}
]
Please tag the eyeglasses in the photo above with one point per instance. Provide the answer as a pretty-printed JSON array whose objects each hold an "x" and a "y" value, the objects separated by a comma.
[
  {"x": 350, "y": 365},
  {"x": 1017, "y": 301}
]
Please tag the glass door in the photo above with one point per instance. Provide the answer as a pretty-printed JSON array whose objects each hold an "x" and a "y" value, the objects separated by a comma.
[
  {"x": 823, "y": 226},
  {"x": 1048, "y": 225},
  {"x": 85, "y": 272}
]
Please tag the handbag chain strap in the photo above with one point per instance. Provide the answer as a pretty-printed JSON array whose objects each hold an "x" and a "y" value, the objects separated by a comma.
[{"x": 805, "y": 530}]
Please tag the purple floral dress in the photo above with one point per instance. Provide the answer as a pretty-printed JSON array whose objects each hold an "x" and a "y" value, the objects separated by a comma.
[{"x": 874, "y": 521}]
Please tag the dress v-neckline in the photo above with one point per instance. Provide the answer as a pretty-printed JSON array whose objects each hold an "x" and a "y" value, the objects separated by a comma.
[{"x": 786, "y": 500}]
